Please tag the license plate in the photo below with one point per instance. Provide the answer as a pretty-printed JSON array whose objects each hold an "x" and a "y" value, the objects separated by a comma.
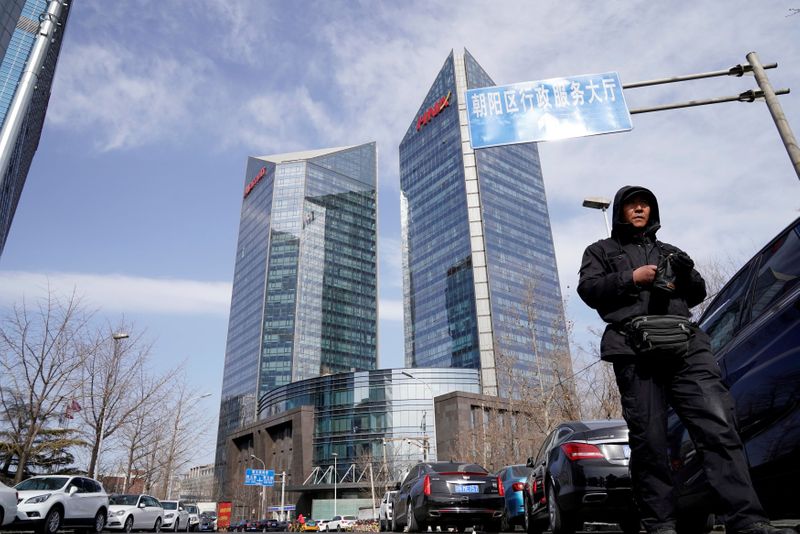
[
  {"x": 626, "y": 449},
  {"x": 466, "y": 488}
]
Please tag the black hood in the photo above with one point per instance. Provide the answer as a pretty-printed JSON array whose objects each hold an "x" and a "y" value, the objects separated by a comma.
[{"x": 622, "y": 229}]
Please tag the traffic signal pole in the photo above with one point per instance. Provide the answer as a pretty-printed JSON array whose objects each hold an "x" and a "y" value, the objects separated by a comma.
[
  {"x": 775, "y": 109},
  {"x": 765, "y": 91}
]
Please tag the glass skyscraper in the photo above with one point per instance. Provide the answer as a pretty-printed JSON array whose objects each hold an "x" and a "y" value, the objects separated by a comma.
[
  {"x": 481, "y": 287},
  {"x": 304, "y": 300},
  {"x": 19, "y": 29}
]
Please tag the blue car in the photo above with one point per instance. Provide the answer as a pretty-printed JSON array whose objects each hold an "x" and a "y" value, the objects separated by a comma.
[{"x": 513, "y": 478}]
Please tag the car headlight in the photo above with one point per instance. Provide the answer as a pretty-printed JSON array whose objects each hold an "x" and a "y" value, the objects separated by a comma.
[
  {"x": 118, "y": 512},
  {"x": 38, "y": 499},
  {"x": 168, "y": 515}
]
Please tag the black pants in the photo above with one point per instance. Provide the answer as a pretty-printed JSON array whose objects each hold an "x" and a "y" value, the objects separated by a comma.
[{"x": 693, "y": 387}]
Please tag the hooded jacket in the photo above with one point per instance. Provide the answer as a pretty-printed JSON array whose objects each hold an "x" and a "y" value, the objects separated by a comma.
[{"x": 606, "y": 276}]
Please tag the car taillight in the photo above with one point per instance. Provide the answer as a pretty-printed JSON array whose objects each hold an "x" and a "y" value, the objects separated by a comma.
[
  {"x": 500, "y": 489},
  {"x": 581, "y": 451},
  {"x": 426, "y": 485},
  {"x": 518, "y": 486}
]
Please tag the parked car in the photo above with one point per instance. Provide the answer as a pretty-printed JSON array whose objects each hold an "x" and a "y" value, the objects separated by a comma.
[
  {"x": 208, "y": 522},
  {"x": 49, "y": 503},
  {"x": 238, "y": 526},
  {"x": 134, "y": 512},
  {"x": 581, "y": 475},
  {"x": 513, "y": 478},
  {"x": 385, "y": 512},
  {"x": 194, "y": 516},
  {"x": 448, "y": 494},
  {"x": 322, "y": 524},
  {"x": 754, "y": 326},
  {"x": 342, "y": 522},
  {"x": 8, "y": 504},
  {"x": 176, "y": 516}
]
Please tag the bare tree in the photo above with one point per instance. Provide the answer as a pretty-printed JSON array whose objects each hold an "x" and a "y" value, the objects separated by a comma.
[
  {"x": 109, "y": 376},
  {"x": 41, "y": 353},
  {"x": 141, "y": 430},
  {"x": 183, "y": 426}
]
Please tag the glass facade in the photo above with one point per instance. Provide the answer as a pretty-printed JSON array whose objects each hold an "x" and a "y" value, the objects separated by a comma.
[
  {"x": 481, "y": 288},
  {"x": 304, "y": 299},
  {"x": 355, "y": 412},
  {"x": 17, "y": 48}
]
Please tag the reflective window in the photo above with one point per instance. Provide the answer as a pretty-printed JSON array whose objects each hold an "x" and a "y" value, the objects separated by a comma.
[{"x": 778, "y": 273}]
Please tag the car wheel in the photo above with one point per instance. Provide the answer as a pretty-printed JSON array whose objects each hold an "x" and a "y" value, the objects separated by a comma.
[
  {"x": 157, "y": 526},
  {"x": 411, "y": 519},
  {"x": 129, "y": 524},
  {"x": 559, "y": 524},
  {"x": 51, "y": 523},
  {"x": 504, "y": 526}
]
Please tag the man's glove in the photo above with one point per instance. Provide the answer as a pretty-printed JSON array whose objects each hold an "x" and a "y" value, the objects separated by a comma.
[{"x": 682, "y": 263}]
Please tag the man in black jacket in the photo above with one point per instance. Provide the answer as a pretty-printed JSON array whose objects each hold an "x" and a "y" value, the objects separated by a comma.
[{"x": 616, "y": 279}]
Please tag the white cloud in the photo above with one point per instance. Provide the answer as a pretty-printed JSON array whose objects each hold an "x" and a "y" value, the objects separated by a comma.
[{"x": 120, "y": 293}]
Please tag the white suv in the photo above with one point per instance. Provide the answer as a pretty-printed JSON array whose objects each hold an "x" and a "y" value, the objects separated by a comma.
[
  {"x": 176, "y": 516},
  {"x": 385, "y": 513},
  {"x": 342, "y": 522},
  {"x": 48, "y": 503},
  {"x": 8, "y": 504}
]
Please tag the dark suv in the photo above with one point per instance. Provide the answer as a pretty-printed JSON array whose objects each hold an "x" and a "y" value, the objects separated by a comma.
[{"x": 754, "y": 325}]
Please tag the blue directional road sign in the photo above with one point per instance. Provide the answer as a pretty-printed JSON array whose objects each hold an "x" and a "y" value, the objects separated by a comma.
[
  {"x": 259, "y": 477},
  {"x": 558, "y": 108}
]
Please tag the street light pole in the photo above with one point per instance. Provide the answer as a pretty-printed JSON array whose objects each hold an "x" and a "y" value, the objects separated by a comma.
[
  {"x": 262, "y": 514},
  {"x": 334, "y": 482},
  {"x": 116, "y": 337},
  {"x": 599, "y": 203}
]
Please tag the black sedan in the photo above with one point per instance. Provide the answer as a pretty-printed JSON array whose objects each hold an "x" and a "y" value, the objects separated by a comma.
[
  {"x": 754, "y": 327},
  {"x": 580, "y": 475},
  {"x": 448, "y": 494}
]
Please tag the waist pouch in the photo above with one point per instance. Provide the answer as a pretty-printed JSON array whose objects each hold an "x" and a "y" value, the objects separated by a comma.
[{"x": 660, "y": 334}]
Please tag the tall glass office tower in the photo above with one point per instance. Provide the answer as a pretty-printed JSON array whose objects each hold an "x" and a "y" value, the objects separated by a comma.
[
  {"x": 304, "y": 300},
  {"x": 481, "y": 287},
  {"x": 20, "y": 131}
]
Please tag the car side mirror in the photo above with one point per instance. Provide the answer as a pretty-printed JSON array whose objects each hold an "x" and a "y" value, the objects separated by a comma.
[
  {"x": 73, "y": 490},
  {"x": 142, "y": 505},
  {"x": 531, "y": 462},
  {"x": 181, "y": 508}
]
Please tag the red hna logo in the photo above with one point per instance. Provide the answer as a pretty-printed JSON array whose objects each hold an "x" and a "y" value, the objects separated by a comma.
[
  {"x": 434, "y": 110},
  {"x": 254, "y": 181}
]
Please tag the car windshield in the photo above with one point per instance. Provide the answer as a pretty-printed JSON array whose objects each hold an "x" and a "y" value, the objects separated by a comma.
[
  {"x": 350, "y": 517},
  {"x": 42, "y": 483},
  {"x": 520, "y": 471},
  {"x": 457, "y": 468},
  {"x": 169, "y": 505},
  {"x": 192, "y": 509},
  {"x": 124, "y": 500}
]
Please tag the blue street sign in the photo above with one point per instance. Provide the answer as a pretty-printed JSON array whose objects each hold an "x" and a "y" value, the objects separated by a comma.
[
  {"x": 287, "y": 508},
  {"x": 544, "y": 110},
  {"x": 259, "y": 477}
]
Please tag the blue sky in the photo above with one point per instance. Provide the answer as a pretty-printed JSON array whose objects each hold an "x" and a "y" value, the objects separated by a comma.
[{"x": 135, "y": 192}]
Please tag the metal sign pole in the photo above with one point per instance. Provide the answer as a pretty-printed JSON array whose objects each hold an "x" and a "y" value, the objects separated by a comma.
[{"x": 776, "y": 111}]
